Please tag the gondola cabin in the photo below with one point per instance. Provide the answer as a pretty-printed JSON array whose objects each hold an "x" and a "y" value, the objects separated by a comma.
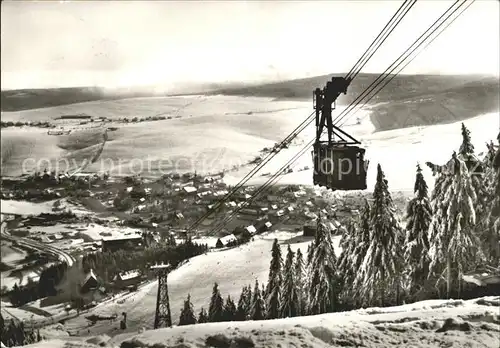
[{"x": 339, "y": 164}]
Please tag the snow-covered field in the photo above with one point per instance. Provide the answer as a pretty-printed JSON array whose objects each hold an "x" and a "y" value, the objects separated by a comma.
[
  {"x": 434, "y": 323},
  {"x": 219, "y": 132},
  {"x": 398, "y": 151},
  {"x": 91, "y": 232},
  {"x": 26, "y": 208}
]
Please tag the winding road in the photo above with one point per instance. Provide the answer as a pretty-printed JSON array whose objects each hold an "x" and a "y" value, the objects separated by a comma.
[{"x": 60, "y": 254}]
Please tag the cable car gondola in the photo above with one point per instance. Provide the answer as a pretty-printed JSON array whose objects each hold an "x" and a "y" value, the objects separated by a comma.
[{"x": 339, "y": 164}]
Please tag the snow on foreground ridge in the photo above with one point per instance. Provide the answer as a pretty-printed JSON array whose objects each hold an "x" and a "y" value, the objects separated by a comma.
[{"x": 433, "y": 323}]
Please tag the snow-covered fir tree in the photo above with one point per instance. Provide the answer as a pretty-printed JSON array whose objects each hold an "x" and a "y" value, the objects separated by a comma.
[
  {"x": 322, "y": 287},
  {"x": 202, "y": 316},
  {"x": 453, "y": 243},
  {"x": 289, "y": 296},
  {"x": 380, "y": 273},
  {"x": 229, "y": 309},
  {"x": 310, "y": 251},
  {"x": 249, "y": 299},
  {"x": 243, "y": 304},
  {"x": 257, "y": 312},
  {"x": 273, "y": 289},
  {"x": 262, "y": 292},
  {"x": 489, "y": 223},
  {"x": 354, "y": 244},
  {"x": 466, "y": 148},
  {"x": 419, "y": 216},
  {"x": 187, "y": 313},
  {"x": 347, "y": 260},
  {"x": 300, "y": 279},
  {"x": 216, "y": 308},
  {"x": 476, "y": 172}
]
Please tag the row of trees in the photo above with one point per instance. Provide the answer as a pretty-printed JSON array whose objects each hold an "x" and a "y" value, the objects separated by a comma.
[
  {"x": 258, "y": 302},
  {"x": 15, "y": 334},
  {"x": 454, "y": 230},
  {"x": 106, "y": 265},
  {"x": 46, "y": 286},
  {"x": 40, "y": 124}
]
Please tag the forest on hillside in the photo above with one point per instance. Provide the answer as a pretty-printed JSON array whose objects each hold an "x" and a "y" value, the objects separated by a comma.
[{"x": 453, "y": 230}]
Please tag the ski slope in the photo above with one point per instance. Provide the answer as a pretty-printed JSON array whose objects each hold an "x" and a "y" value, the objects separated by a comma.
[{"x": 231, "y": 269}]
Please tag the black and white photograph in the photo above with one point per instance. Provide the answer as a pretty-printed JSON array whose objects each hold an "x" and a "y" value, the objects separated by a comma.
[{"x": 250, "y": 174}]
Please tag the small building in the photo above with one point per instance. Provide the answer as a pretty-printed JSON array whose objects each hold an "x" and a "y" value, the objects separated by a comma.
[
  {"x": 264, "y": 226},
  {"x": 123, "y": 243},
  {"x": 247, "y": 211},
  {"x": 309, "y": 230},
  {"x": 189, "y": 189},
  {"x": 279, "y": 213},
  {"x": 45, "y": 239},
  {"x": 127, "y": 279},
  {"x": 251, "y": 229},
  {"x": 89, "y": 282},
  {"x": 228, "y": 239}
]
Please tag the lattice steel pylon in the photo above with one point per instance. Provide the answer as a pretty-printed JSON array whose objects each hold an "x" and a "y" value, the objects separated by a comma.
[{"x": 163, "y": 317}]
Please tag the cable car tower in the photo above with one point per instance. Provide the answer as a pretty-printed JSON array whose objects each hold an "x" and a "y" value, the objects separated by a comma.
[
  {"x": 338, "y": 163},
  {"x": 163, "y": 317}
]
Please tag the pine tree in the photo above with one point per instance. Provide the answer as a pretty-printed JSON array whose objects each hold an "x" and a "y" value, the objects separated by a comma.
[
  {"x": 290, "y": 298},
  {"x": 202, "y": 316},
  {"x": 419, "y": 215},
  {"x": 380, "y": 272},
  {"x": 489, "y": 225},
  {"x": 466, "y": 148},
  {"x": 476, "y": 172},
  {"x": 322, "y": 287},
  {"x": 249, "y": 299},
  {"x": 229, "y": 310},
  {"x": 216, "y": 308},
  {"x": 242, "y": 309},
  {"x": 257, "y": 311},
  {"x": 354, "y": 244},
  {"x": 274, "y": 284},
  {"x": 346, "y": 261},
  {"x": 300, "y": 280},
  {"x": 187, "y": 313},
  {"x": 310, "y": 251},
  {"x": 451, "y": 233}
]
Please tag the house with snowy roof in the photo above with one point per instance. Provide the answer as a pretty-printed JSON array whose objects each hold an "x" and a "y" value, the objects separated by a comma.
[
  {"x": 89, "y": 282},
  {"x": 127, "y": 279}
]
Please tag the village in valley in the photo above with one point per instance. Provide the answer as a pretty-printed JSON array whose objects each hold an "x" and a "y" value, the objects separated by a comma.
[{"x": 85, "y": 219}]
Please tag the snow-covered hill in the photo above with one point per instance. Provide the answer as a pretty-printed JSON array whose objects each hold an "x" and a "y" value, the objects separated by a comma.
[
  {"x": 434, "y": 323},
  {"x": 231, "y": 269},
  {"x": 398, "y": 151},
  {"x": 219, "y": 132}
]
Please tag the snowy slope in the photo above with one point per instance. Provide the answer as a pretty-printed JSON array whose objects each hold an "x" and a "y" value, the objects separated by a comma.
[
  {"x": 398, "y": 151},
  {"x": 217, "y": 132},
  {"x": 473, "y": 323},
  {"x": 231, "y": 269}
]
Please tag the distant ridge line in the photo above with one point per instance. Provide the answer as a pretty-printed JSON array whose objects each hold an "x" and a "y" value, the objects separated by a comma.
[{"x": 402, "y": 87}]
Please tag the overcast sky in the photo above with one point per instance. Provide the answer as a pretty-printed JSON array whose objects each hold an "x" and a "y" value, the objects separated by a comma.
[{"x": 56, "y": 44}]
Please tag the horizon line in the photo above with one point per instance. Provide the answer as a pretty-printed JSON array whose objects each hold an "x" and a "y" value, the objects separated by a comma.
[{"x": 242, "y": 83}]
